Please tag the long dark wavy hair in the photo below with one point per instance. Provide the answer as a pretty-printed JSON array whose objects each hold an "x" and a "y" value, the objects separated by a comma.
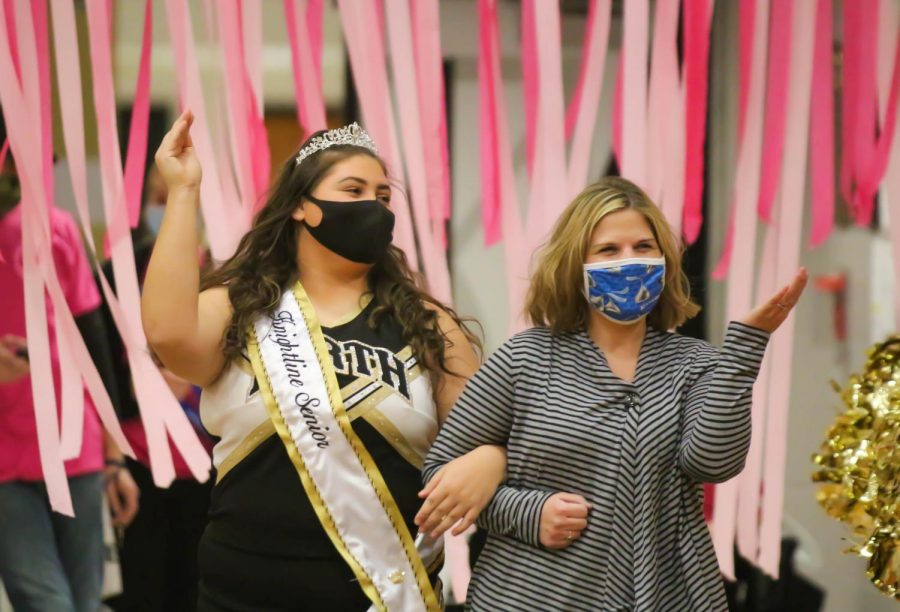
[{"x": 265, "y": 265}]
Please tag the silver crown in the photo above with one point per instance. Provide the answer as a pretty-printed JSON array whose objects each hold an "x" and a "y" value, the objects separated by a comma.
[{"x": 351, "y": 134}]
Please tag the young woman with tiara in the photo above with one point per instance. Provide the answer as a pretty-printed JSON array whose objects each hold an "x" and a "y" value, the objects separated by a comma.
[{"x": 326, "y": 371}]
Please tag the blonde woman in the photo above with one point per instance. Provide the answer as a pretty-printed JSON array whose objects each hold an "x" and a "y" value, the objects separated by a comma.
[{"x": 611, "y": 422}]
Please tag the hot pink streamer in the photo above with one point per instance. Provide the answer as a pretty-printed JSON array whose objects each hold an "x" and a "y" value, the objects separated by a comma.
[
  {"x": 875, "y": 165},
  {"x": 584, "y": 106},
  {"x": 530, "y": 81},
  {"x": 776, "y": 103},
  {"x": 238, "y": 96},
  {"x": 42, "y": 42},
  {"x": 587, "y": 48},
  {"x": 740, "y": 292},
  {"x": 697, "y": 19},
  {"x": 306, "y": 56},
  {"x": 251, "y": 50},
  {"x": 888, "y": 33},
  {"x": 849, "y": 94},
  {"x": 433, "y": 111},
  {"x": 866, "y": 47},
  {"x": 634, "y": 90},
  {"x": 407, "y": 91},
  {"x": 136, "y": 160},
  {"x": 789, "y": 233},
  {"x": 225, "y": 223},
  {"x": 366, "y": 50},
  {"x": 160, "y": 410},
  {"x": 491, "y": 214},
  {"x": 821, "y": 155}
]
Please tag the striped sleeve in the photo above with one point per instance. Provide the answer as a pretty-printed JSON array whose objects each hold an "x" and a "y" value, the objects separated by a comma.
[
  {"x": 716, "y": 433},
  {"x": 483, "y": 415}
]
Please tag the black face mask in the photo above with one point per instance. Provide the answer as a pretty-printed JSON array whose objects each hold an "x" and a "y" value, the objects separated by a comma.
[{"x": 358, "y": 231}]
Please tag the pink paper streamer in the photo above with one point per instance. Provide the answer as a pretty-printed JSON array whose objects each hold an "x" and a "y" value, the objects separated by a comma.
[
  {"x": 315, "y": 19},
  {"x": 306, "y": 56},
  {"x": 238, "y": 98},
  {"x": 136, "y": 160},
  {"x": 892, "y": 184},
  {"x": 366, "y": 50},
  {"x": 866, "y": 86},
  {"x": 408, "y": 91},
  {"x": 43, "y": 392},
  {"x": 697, "y": 18},
  {"x": 776, "y": 103},
  {"x": 34, "y": 55},
  {"x": 789, "y": 233},
  {"x": 433, "y": 111},
  {"x": 750, "y": 482},
  {"x": 71, "y": 389},
  {"x": 587, "y": 49},
  {"x": 873, "y": 168},
  {"x": 160, "y": 410},
  {"x": 849, "y": 94},
  {"x": 530, "y": 81},
  {"x": 617, "y": 112},
  {"x": 549, "y": 188},
  {"x": 225, "y": 223},
  {"x": 251, "y": 50},
  {"x": 251, "y": 13},
  {"x": 499, "y": 161},
  {"x": 634, "y": 91},
  {"x": 739, "y": 299},
  {"x": 822, "y": 129},
  {"x": 664, "y": 87},
  {"x": 746, "y": 32},
  {"x": 488, "y": 77},
  {"x": 39, "y": 262},
  {"x": 456, "y": 551},
  {"x": 9, "y": 14},
  {"x": 42, "y": 42},
  {"x": 888, "y": 33},
  {"x": 585, "y": 104},
  {"x": 69, "y": 80},
  {"x": 119, "y": 236},
  {"x": 35, "y": 254}
]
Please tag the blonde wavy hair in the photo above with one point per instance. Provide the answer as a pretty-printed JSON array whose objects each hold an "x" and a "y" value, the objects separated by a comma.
[{"x": 555, "y": 297}]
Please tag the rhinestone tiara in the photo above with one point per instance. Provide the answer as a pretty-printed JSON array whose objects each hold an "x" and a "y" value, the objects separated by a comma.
[{"x": 351, "y": 134}]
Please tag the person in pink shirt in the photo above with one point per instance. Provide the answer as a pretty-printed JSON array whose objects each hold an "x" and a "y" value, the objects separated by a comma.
[{"x": 50, "y": 562}]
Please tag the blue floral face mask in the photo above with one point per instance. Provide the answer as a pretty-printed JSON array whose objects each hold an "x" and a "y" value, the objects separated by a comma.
[{"x": 625, "y": 290}]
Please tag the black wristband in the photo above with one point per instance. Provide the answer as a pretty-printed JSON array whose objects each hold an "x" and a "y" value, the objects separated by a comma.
[{"x": 119, "y": 463}]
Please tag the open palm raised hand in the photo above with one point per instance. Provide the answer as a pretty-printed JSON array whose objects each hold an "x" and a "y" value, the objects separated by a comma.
[{"x": 770, "y": 315}]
